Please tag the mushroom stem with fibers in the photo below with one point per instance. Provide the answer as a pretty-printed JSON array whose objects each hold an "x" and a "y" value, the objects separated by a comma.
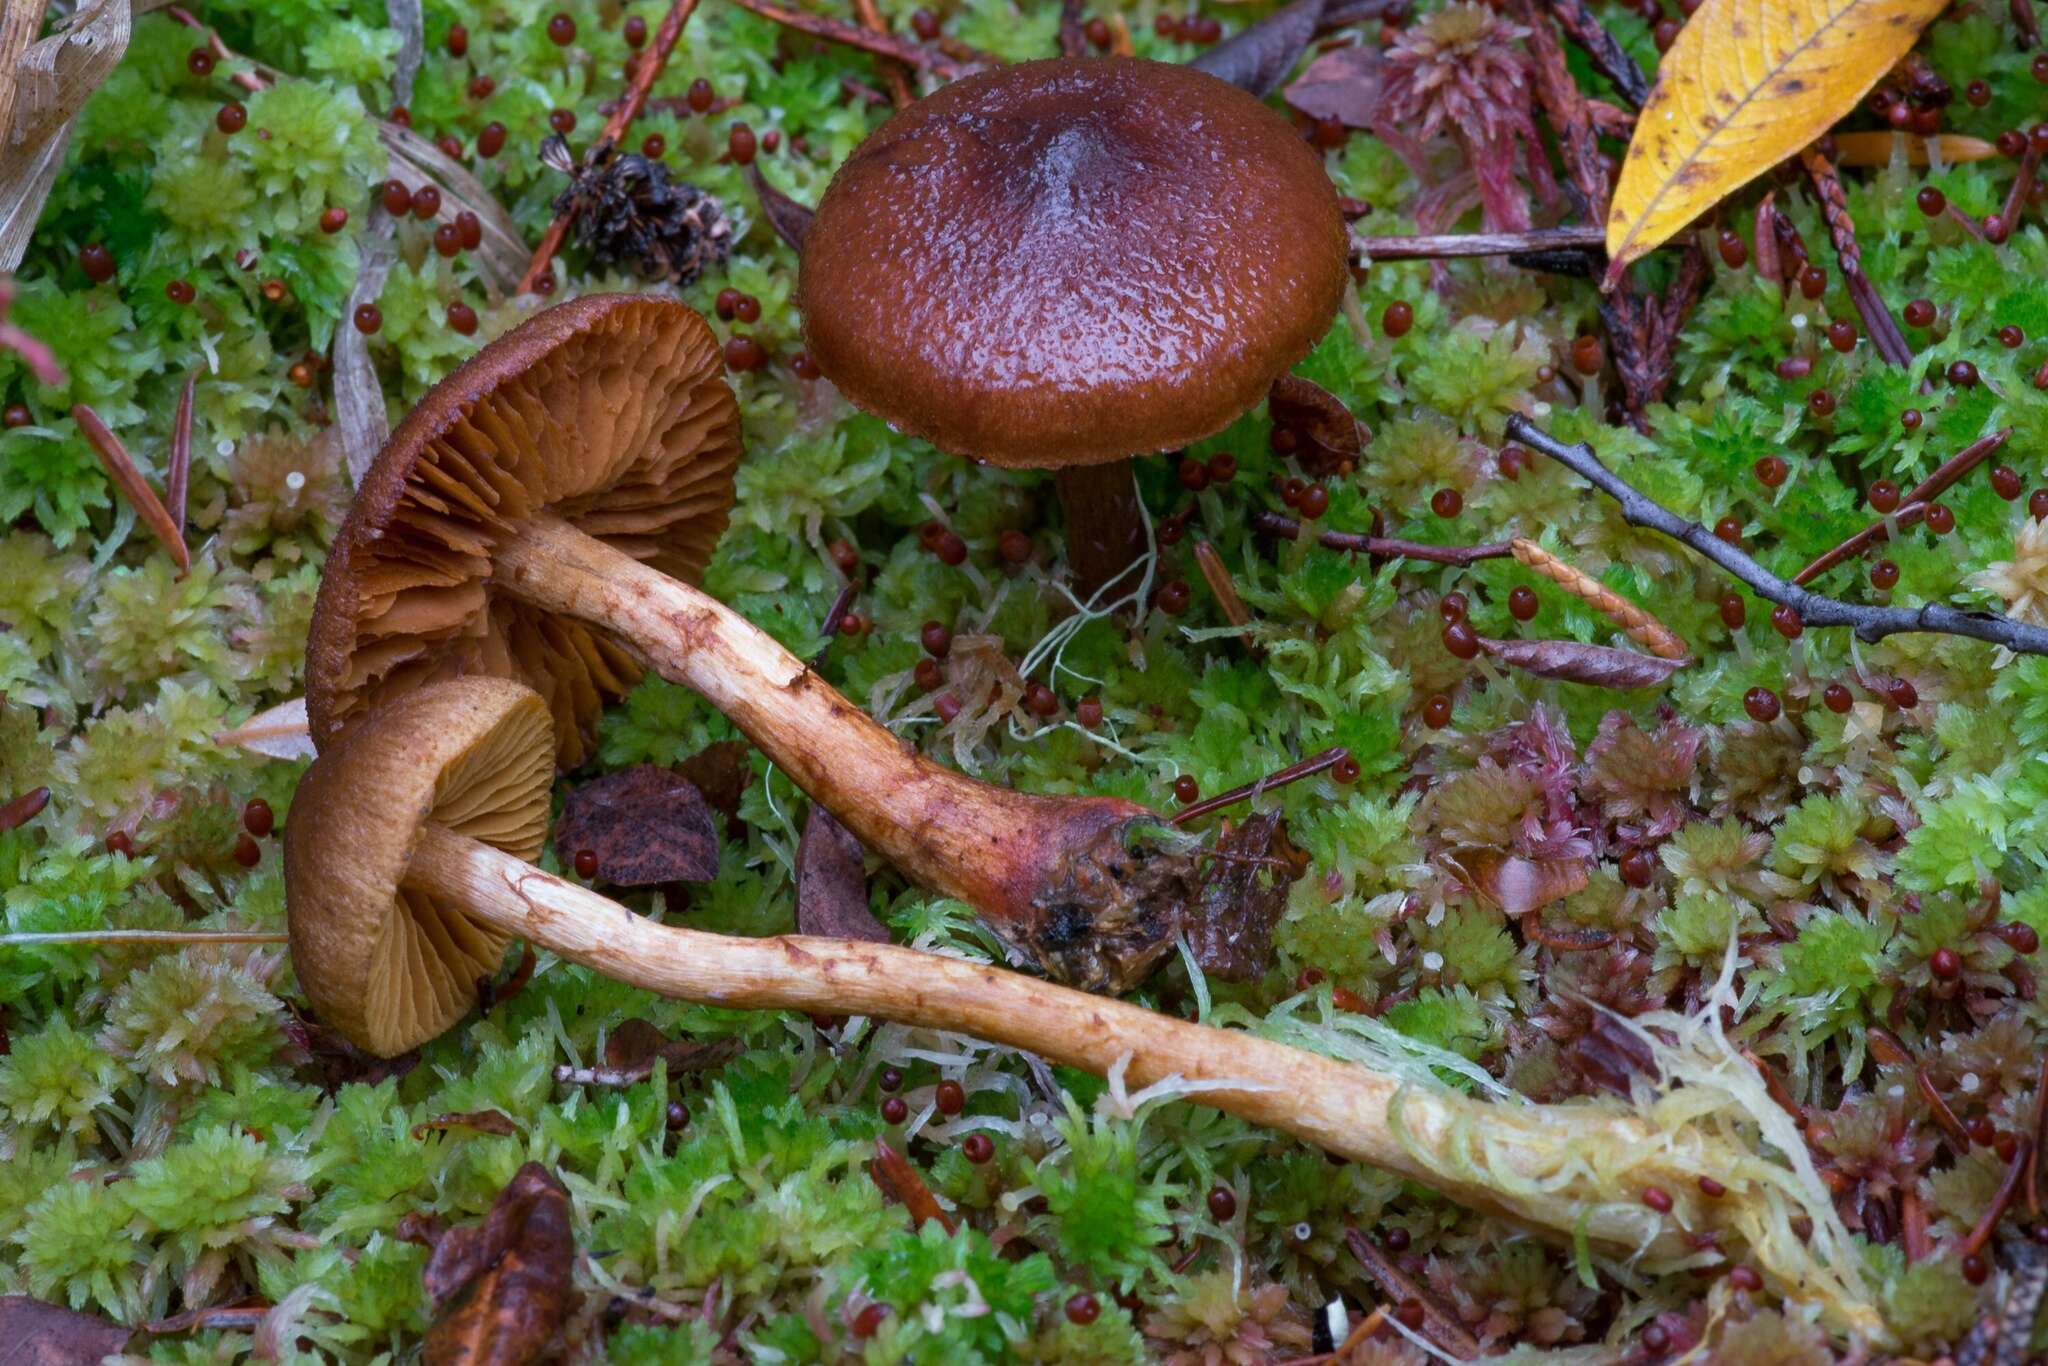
[
  {"x": 1104, "y": 522},
  {"x": 1531, "y": 1163},
  {"x": 1061, "y": 876}
]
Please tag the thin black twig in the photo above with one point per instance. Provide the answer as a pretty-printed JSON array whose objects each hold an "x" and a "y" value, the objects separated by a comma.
[
  {"x": 1814, "y": 609},
  {"x": 1294, "y": 772},
  {"x": 1382, "y": 547}
]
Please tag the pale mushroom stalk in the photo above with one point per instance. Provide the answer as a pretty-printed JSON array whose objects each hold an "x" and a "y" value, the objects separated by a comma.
[
  {"x": 1070, "y": 879},
  {"x": 541, "y": 515},
  {"x": 406, "y": 881}
]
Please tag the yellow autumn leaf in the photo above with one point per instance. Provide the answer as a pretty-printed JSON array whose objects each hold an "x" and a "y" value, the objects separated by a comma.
[{"x": 1747, "y": 84}]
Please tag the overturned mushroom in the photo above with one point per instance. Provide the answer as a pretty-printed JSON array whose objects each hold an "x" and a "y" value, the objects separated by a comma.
[
  {"x": 404, "y": 883},
  {"x": 1061, "y": 264},
  {"x": 555, "y": 482}
]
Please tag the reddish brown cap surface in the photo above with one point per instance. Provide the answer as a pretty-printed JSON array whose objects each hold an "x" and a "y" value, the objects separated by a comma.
[
  {"x": 1072, "y": 261},
  {"x": 612, "y": 412}
]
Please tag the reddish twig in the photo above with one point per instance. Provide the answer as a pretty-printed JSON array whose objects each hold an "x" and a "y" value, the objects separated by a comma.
[
  {"x": 1912, "y": 508},
  {"x": 2008, "y": 1185},
  {"x": 251, "y": 81},
  {"x": 1868, "y": 622},
  {"x": 1295, "y": 772},
  {"x": 645, "y": 72},
  {"x": 1217, "y": 575},
  {"x": 1642, "y": 331},
  {"x": 892, "y": 72},
  {"x": 940, "y": 63},
  {"x": 899, "y": 1180},
  {"x": 1883, "y": 329},
  {"x": 1439, "y": 1323},
  {"x": 120, "y": 467},
  {"x": 1381, "y": 547},
  {"x": 178, "y": 474},
  {"x": 2022, "y": 186},
  {"x": 1943, "y": 1115},
  {"x": 2025, "y": 22}
]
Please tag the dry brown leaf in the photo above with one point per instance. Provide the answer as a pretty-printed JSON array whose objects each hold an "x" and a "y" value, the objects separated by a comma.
[
  {"x": 279, "y": 733},
  {"x": 832, "y": 882},
  {"x": 1343, "y": 84},
  {"x": 36, "y": 1334},
  {"x": 901, "y": 1182},
  {"x": 1574, "y": 661},
  {"x": 43, "y": 85},
  {"x": 1514, "y": 885},
  {"x": 479, "y": 1121},
  {"x": 1746, "y": 85},
  {"x": 1329, "y": 435},
  {"x": 645, "y": 825},
  {"x": 505, "y": 1279}
]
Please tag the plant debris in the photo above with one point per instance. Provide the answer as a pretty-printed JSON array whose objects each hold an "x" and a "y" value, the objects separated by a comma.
[
  {"x": 629, "y": 210},
  {"x": 832, "y": 882},
  {"x": 640, "y": 827},
  {"x": 502, "y": 1283}
]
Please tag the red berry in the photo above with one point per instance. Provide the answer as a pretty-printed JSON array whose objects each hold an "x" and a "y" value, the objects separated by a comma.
[
  {"x": 743, "y": 354},
  {"x": 1786, "y": 621},
  {"x": 1745, "y": 1278},
  {"x": 97, "y": 263},
  {"x": 699, "y": 96},
  {"x": 1186, "y": 789},
  {"x": 1842, "y": 335},
  {"x": 890, "y": 1080},
  {"x": 1903, "y": 694},
  {"x": 1837, "y": 698},
  {"x": 1345, "y": 770},
  {"x": 1734, "y": 251},
  {"x": 1461, "y": 640},
  {"x": 471, "y": 230},
  {"x": 1452, "y": 606},
  {"x": 199, "y": 61},
  {"x": 447, "y": 239},
  {"x": 1733, "y": 612},
  {"x": 247, "y": 852},
  {"x": 1436, "y": 712},
  {"x": 180, "y": 291},
  {"x": 257, "y": 817},
  {"x": 740, "y": 145},
  {"x": 16, "y": 415},
  {"x": 1884, "y": 575},
  {"x": 1397, "y": 318},
  {"x": 635, "y": 31},
  {"x": 1638, "y": 868},
  {"x": 2005, "y": 482},
  {"x": 1729, "y": 529},
  {"x": 426, "y": 202},
  {"x": 1975, "y": 1269},
  {"x": 561, "y": 30},
  {"x": 586, "y": 863},
  {"x": 952, "y": 551},
  {"x": 563, "y": 121},
  {"x": 1945, "y": 964},
  {"x": 1813, "y": 282},
  {"x": 977, "y": 1148},
  {"x": 333, "y": 219},
  {"x": 1884, "y": 496},
  {"x": 936, "y": 639},
  {"x": 1761, "y": 704},
  {"x": 1222, "y": 1203},
  {"x": 1962, "y": 374},
  {"x": 868, "y": 1321},
  {"x": 1820, "y": 403},
  {"x": 1795, "y": 367},
  {"x": 481, "y": 88},
  {"x": 2022, "y": 937},
  {"x": 1920, "y": 313},
  {"x": 232, "y": 118},
  {"x": 491, "y": 140},
  {"x": 462, "y": 319},
  {"x": 1083, "y": 1308},
  {"x": 400, "y": 115},
  {"x": 1172, "y": 597},
  {"x": 458, "y": 41},
  {"x": 368, "y": 318},
  {"x": 895, "y": 1110},
  {"x": 2011, "y": 337},
  {"x": 1910, "y": 419},
  {"x": 1099, "y": 34},
  {"x": 924, "y": 24},
  {"x": 1447, "y": 502},
  {"x": 1088, "y": 711},
  {"x": 1222, "y": 467},
  {"x": 1771, "y": 471},
  {"x": 2037, "y": 505},
  {"x": 1932, "y": 201},
  {"x": 1014, "y": 546},
  {"x": 1586, "y": 355},
  {"x": 1657, "y": 1198},
  {"x": 119, "y": 842},
  {"x": 1522, "y": 603},
  {"x": 949, "y": 1097},
  {"x": 397, "y": 198}
]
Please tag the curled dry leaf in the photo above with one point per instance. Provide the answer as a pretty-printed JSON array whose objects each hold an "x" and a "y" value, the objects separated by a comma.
[
  {"x": 790, "y": 219},
  {"x": 638, "y": 1042},
  {"x": 1746, "y": 85},
  {"x": 1574, "y": 661},
  {"x": 43, "y": 85},
  {"x": 1514, "y": 885},
  {"x": 1328, "y": 433},
  {"x": 1243, "y": 890},
  {"x": 480, "y": 1121},
  {"x": 1342, "y": 84},
  {"x": 645, "y": 825},
  {"x": 360, "y": 415},
  {"x": 901, "y": 1182},
  {"x": 281, "y": 732},
  {"x": 120, "y": 468},
  {"x": 832, "y": 883},
  {"x": 39, "y": 1334},
  {"x": 21, "y": 810},
  {"x": 1258, "y": 58},
  {"x": 503, "y": 1282}
]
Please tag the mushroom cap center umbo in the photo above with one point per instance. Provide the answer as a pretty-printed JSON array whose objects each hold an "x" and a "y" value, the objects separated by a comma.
[
  {"x": 610, "y": 411},
  {"x": 389, "y": 964},
  {"x": 1071, "y": 261}
]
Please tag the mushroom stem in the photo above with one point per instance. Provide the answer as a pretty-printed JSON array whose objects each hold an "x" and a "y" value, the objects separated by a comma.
[
  {"x": 1105, "y": 524},
  {"x": 1070, "y": 880},
  {"x": 1550, "y": 1167}
]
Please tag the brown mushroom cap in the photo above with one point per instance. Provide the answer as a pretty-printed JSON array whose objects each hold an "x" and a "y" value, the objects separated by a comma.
[
  {"x": 611, "y": 411},
  {"x": 1072, "y": 261},
  {"x": 389, "y": 965}
]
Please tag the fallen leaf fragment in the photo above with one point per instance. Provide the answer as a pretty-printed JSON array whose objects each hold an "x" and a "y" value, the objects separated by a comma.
[
  {"x": 1243, "y": 891},
  {"x": 645, "y": 825},
  {"x": 1343, "y": 84},
  {"x": 33, "y": 1333},
  {"x": 1875, "y": 149},
  {"x": 279, "y": 733},
  {"x": 638, "y": 1041},
  {"x": 120, "y": 467},
  {"x": 503, "y": 1282},
  {"x": 1259, "y": 57},
  {"x": 900, "y": 1182},
  {"x": 1515, "y": 885},
  {"x": 832, "y": 883},
  {"x": 480, "y": 1121},
  {"x": 1746, "y": 85},
  {"x": 1328, "y": 433},
  {"x": 1575, "y": 661},
  {"x": 791, "y": 220}
]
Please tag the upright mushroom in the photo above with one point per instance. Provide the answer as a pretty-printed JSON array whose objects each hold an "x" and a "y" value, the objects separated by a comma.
[
  {"x": 545, "y": 486},
  {"x": 1061, "y": 264},
  {"x": 404, "y": 882}
]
